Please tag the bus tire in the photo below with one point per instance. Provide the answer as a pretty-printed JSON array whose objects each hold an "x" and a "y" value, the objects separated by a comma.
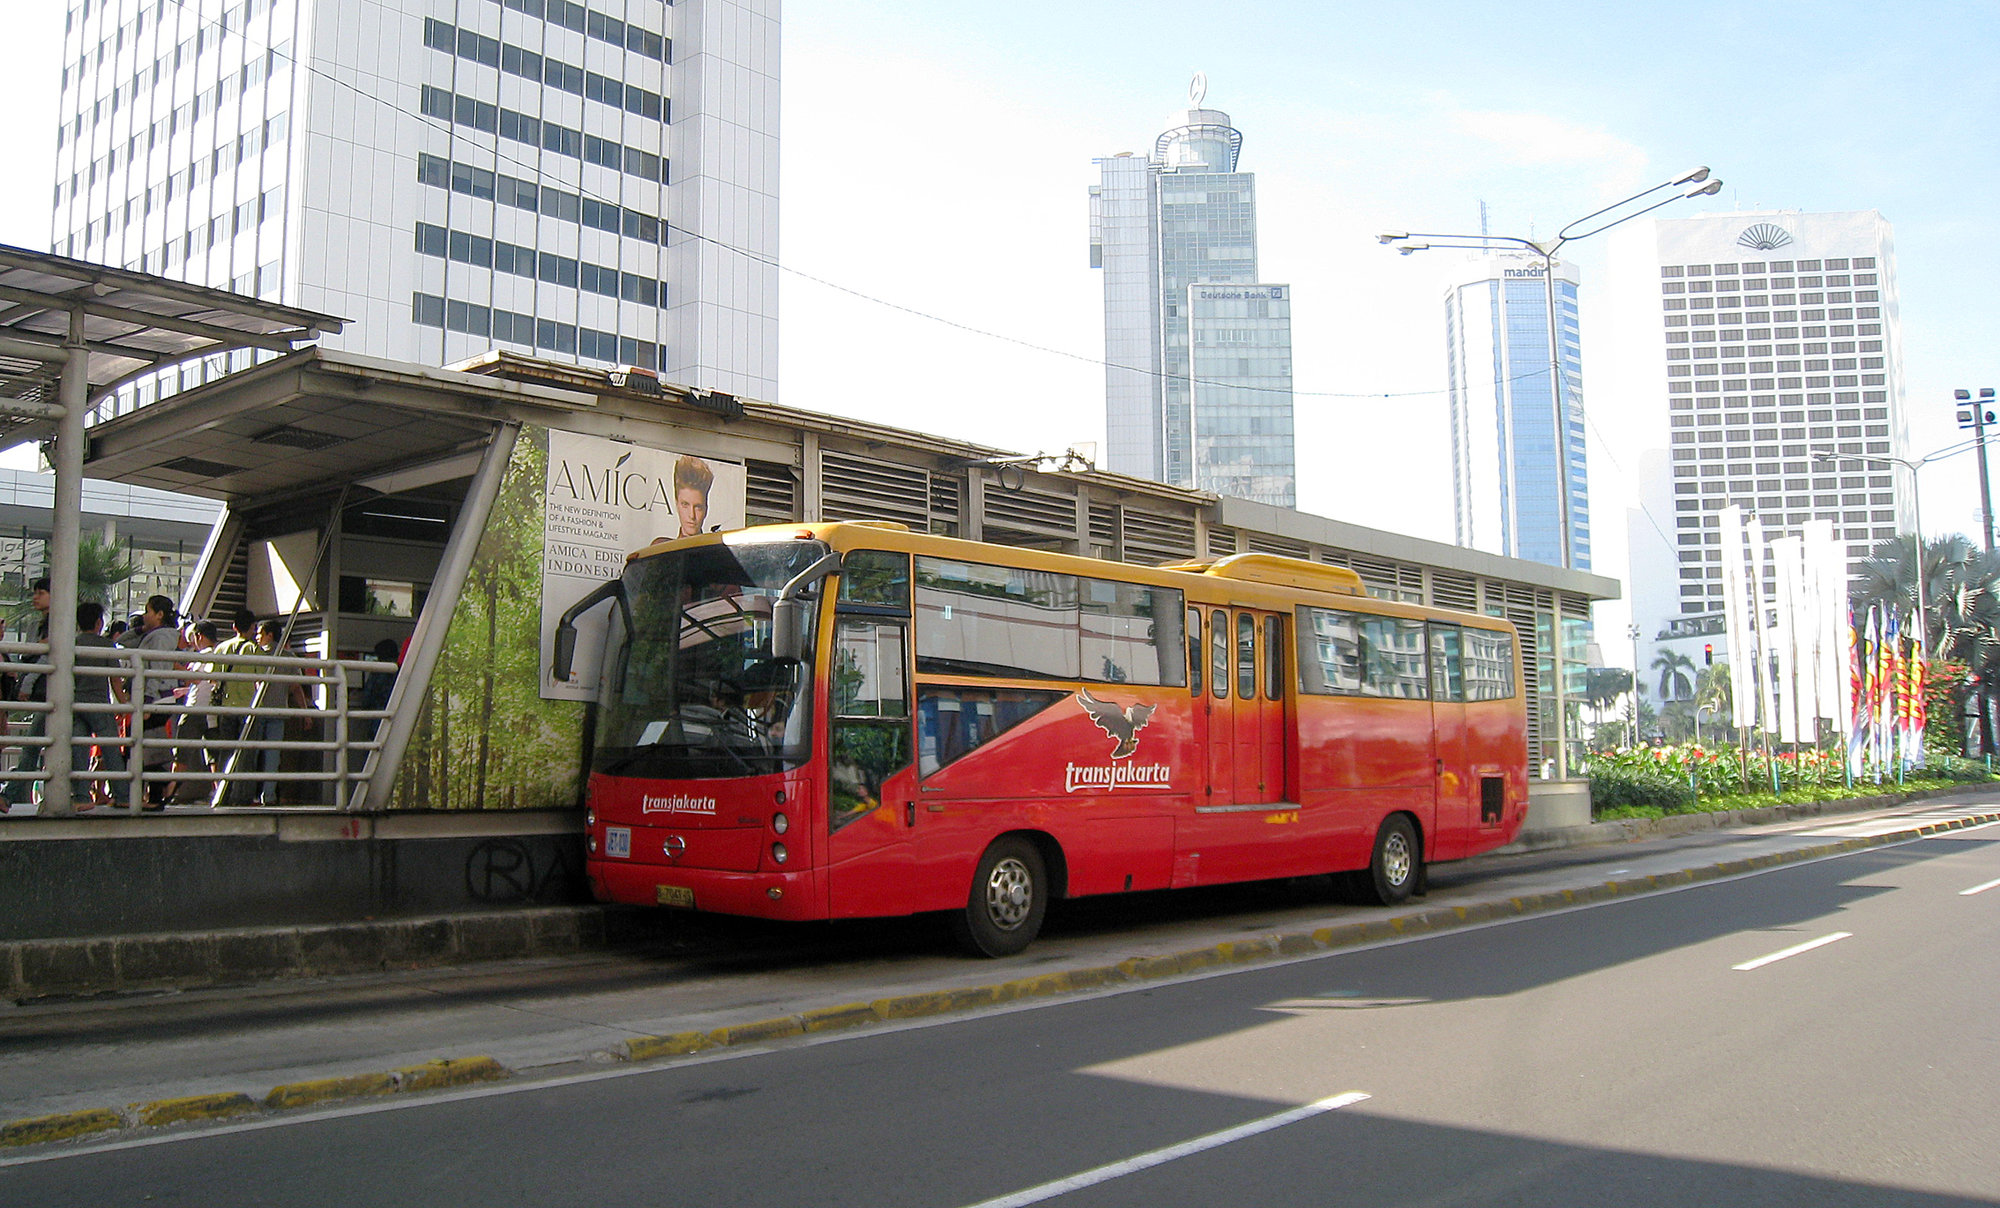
[
  {"x": 1396, "y": 869},
  {"x": 1003, "y": 913}
]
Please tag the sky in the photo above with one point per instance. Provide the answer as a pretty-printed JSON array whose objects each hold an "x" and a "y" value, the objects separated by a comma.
[{"x": 936, "y": 162}]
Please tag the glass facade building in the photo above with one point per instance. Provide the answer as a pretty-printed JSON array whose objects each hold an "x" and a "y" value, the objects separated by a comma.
[
  {"x": 1198, "y": 377},
  {"x": 1509, "y": 488},
  {"x": 594, "y": 180}
]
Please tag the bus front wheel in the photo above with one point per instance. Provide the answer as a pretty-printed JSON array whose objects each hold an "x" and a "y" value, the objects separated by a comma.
[
  {"x": 1397, "y": 867},
  {"x": 1003, "y": 913}
]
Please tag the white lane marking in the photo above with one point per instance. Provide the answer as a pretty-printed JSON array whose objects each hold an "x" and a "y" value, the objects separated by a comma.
[
  {"x": 1104, "y": 1174},
  {"x": 1794, "y": 950},
  {"x": 1966, "y": 893}
]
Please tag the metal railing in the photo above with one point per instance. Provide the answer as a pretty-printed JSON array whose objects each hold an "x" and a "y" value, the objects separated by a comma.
[{"x": 341, "y": 743}]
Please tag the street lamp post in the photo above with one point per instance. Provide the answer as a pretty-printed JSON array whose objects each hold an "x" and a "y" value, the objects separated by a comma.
[
  {"x": 1916, "y": 515},
  {"x": 1402, "y": 241},
  {"x": 1976, "y": 414},
  {"x": 1632, "y": 631}
]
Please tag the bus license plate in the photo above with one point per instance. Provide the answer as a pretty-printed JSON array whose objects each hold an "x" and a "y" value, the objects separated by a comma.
[
  {"x": 618, "y": 842},
  {"x": 675, "y": 895}
]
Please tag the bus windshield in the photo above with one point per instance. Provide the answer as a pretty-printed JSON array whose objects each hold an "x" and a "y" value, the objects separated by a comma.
[{"x": 690, "y": 690}]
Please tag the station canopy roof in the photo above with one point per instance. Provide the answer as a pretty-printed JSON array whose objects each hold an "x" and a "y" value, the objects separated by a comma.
[{"x": 133, "y": 323}]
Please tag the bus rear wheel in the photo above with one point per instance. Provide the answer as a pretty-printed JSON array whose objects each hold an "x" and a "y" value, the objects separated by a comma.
[
  {"x": 1003, "y": 913},
  {"x": 1397, "y": 867}
]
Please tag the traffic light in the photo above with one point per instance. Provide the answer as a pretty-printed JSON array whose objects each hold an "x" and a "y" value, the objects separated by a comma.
[{"x": 1708, "y": 654}]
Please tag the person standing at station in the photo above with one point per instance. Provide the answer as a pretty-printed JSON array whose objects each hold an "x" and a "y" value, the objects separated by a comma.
[
  {"x": 161, "y": 633},
  {"x": 270, "y": 731},
  {"x": 195, "y": 725},
  {"x": 96, "y": 688},
  {"x": 32, "y": 686},
  {"x": 235, "y": 694}
]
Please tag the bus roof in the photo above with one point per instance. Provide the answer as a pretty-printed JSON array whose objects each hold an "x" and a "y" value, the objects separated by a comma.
[{"x": 1254, "y": 570}]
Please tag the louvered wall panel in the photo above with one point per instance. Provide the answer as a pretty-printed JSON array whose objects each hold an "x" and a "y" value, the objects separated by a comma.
[
  {"x": 1029, "y": 511},
  {"x": 1104, "y": 524},
  {"x": 1221, "y": 542},
  {"x": 857, "y": 488},
  {"x": 947, "y": 495},
  {"x": 1151, "y": 538},
  {"x": 1454, "y": 591},
  {"x": 1270, "y": 543},
  {"x": 771, "y": 494}
]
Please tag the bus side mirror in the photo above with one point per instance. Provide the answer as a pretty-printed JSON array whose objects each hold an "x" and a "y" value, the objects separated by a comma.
[
  {"x": 564, "y": 659},
  {"x": 788, "y": 610},
  {"x": 788, "y": 630}
]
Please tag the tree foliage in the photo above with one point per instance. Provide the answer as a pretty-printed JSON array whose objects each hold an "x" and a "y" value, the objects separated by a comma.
[{"x": 486, "y": 739}]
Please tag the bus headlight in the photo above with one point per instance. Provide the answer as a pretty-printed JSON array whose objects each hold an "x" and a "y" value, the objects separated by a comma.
[
  {"x": 780, "y": 823},
  {"x": 779, "y": 854},
  {"x": 591, "y": 842}
]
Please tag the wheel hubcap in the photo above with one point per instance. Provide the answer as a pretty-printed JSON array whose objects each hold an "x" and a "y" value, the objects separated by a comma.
[
  {"x": 1396, "y": 859},
  {"x": 1010, "y": 893}
]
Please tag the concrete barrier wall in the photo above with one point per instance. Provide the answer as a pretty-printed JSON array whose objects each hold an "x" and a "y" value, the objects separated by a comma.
[
  {"x": 103, "y": 876},
  {"x": 1556, "y": 804}
]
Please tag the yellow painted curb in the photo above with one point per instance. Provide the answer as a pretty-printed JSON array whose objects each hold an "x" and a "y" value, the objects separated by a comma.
[
  {"x": 322, "y": 1090},
  {"x": 761, "y": 1029},
  {"x": 192, "y": 1107},
  {"x": 846, "y": 1015},
  {"x": 38, "y": 1130},
  {"x": 449, "y": 1071},
  {"x": 674, "y": 1044}
]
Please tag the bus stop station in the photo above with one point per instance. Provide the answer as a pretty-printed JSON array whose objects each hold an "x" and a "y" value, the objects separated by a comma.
[{"x": 438, "y": 510}]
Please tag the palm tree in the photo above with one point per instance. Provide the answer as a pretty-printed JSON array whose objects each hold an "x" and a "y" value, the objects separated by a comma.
[
  {"x": 1602, "y": 686},
  {"x": 100, "y": 566},
  {"x": 1712, "y": 694},
  {"x": 1962, "y": 595},
  {"x": 1673, "y": 684}
]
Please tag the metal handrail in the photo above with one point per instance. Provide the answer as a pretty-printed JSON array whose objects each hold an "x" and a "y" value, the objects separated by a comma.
[{"x": 347, "y": 761}]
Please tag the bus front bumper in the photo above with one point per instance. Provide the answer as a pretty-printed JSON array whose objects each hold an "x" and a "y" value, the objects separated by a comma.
[{"x": 764, "y": 895}]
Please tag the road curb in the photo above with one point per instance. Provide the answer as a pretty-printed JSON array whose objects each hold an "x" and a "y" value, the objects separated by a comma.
[
  {"x": 443, "y": 1073},
  {"x": 1139, "y": 969},
  {"x": 463, "y": 1071}
]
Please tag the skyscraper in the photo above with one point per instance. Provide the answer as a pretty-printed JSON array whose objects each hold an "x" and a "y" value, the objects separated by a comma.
[
  {"x": 1198, "y": 351},
  {"x": 1778, "y": 339},
  {"x": 1508, "y": 486},
  {"x": 594, "y": 180}
]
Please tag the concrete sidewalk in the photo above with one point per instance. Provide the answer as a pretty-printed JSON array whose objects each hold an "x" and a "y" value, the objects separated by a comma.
[{"x": 89, "y": 1066}]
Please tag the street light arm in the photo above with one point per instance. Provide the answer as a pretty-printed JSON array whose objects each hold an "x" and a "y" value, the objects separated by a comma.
[
  {"x": 1706, "y": 190},
  {"x": 1686, "y": 178},
  {"x": 1481, "y": 246}
]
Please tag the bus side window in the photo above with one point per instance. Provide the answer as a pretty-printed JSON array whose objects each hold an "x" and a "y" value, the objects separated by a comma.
[
  {"x": 1218, "y": 653},
  {"x": 1194, "y": 651},
  {"x": 1274, "y": 658},
  {"x": 871, "y": 716},
  {"x": 1447, "y": 666},
  {"x": 1246, "y": 656}
]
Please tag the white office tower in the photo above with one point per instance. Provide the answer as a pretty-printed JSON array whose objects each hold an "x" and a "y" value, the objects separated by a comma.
[
  {"x": 1771, "y": 337},
  {"x": 1198, "y": 351},
  {"x": 596, "y": 181},
  {"x": 1509, "y": 485}
]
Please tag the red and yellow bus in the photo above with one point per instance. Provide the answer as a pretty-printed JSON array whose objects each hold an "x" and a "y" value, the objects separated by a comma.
[{"x": 852, "y": 720}]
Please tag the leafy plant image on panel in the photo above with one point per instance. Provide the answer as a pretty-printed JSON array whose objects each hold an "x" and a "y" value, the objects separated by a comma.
[{"x": 485, "y": 738}]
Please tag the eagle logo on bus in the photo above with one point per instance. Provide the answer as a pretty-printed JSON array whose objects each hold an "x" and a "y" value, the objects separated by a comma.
[{"x": 1122, "y": 724}]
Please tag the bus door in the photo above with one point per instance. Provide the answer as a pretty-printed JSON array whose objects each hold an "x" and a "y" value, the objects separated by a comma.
[
  {"x": 1455, "y": 790},
  {"x": 871, "y": 777},
  {"x": 1258, "y": 723}
]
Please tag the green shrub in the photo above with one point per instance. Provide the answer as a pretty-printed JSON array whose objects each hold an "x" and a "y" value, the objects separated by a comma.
[{"x": 1645, "y": 788}]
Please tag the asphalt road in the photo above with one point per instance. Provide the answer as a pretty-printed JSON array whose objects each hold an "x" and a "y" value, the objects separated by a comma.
[{"x": 1656, "y": 1050}]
